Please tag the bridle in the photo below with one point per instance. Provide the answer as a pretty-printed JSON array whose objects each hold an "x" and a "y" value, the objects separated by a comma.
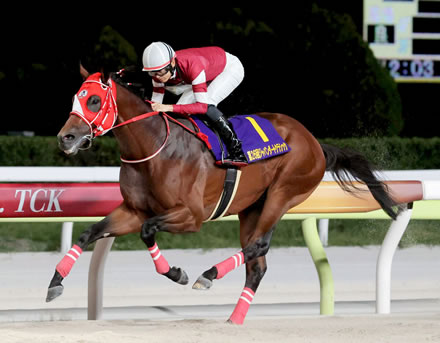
[{"x": 104, "y": 120}]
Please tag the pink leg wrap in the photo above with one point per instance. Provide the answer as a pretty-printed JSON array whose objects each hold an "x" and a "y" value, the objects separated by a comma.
[
  {"x": 242, "y": 307},
  {"x": 229, "y": 264},
  {"x": 68, "y": 261},
  {"x": 160, "y": 262}
]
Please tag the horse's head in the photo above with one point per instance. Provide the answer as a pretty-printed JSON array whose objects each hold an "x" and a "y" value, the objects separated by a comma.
[{"x": 94, "y": 112}]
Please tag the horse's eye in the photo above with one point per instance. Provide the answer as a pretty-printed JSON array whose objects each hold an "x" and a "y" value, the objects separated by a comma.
[{"x": 94, "y": 103}]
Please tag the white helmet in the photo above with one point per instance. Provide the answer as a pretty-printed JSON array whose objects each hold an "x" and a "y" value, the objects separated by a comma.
[{"x": 157, "y": 56}]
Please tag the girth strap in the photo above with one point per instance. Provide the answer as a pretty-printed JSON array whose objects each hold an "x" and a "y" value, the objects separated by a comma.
[{"x": 232, "y": 179}]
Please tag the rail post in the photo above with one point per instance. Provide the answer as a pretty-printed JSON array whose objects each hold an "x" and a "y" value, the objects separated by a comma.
[
  {"x": 313, "y": 241},
  {"x": 385, "y": 260},
  {"x": 66, "y": 237},
  {"x": 96, "y": 278}
]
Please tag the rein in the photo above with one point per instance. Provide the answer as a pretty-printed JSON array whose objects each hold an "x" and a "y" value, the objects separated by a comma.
[
  {"x": 140, "y": 117},
  {"x": 166, "y": 118}
]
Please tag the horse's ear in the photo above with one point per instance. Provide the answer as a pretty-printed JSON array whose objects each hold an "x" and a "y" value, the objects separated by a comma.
[
  {"x": 84, "y": 73},
  {"x": 104, "y": 76}
]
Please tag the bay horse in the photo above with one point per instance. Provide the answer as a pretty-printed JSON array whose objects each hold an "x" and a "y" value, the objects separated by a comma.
[{"x": 170, "y": 183}]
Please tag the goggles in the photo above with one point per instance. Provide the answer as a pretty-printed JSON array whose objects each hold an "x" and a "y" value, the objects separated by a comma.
[{"x": 160, "y": 72}]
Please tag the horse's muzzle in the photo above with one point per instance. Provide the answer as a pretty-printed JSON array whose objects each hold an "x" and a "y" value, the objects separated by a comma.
[
  {"x": 75, "y": 135},
  {"x": 70, "y": 143}
]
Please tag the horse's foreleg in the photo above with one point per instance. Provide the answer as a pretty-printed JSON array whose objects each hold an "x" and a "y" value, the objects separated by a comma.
[
  {"x": 148, "y": 232},
  {"x": 175, "y": 221},
  {"x": 121, "y": 221},
  {"x": 66, "y": 264}
]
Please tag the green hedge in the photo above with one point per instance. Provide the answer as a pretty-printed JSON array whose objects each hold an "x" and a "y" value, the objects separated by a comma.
[
  {"x": 386, "y": 152},
  {"x": 44, "y": 151}
]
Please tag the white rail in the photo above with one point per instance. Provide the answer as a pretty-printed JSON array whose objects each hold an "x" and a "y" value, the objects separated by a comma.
[
  {"x": 59, "y": 174},
  {"x": 111, "y": 174}
]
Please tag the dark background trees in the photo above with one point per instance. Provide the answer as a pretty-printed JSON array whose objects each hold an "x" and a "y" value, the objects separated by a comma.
[{"x": 308, "y": 61}]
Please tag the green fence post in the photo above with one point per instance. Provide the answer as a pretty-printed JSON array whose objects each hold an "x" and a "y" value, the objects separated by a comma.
[{"x": 311, "y": 236}]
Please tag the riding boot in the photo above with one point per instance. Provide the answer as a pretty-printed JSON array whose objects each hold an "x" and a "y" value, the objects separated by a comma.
[{"x": 236, "y": 156}]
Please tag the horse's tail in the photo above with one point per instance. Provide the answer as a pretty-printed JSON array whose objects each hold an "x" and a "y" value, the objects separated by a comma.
[{"x": 342, "y": 162}]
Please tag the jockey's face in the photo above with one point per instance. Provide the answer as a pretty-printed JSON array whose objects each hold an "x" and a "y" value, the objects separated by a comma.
[{"x": 164, "y": 74}]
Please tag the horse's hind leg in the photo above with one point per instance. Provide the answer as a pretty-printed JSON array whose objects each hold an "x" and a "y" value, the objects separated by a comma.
[
  {"x": 254, "y": 249},
  {"x": 119, "y": 222},
  {"x": 255, "y": 270},
  {"x": 255, "y": 235}
]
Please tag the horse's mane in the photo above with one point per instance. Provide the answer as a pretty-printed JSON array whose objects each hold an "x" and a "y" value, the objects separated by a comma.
[
  {"x": 138, "y": 83},
  {"x": 133, "y": 79}
]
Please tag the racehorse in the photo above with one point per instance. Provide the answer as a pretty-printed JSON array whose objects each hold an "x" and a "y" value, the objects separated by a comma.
[{"x": 170, "y": 183}]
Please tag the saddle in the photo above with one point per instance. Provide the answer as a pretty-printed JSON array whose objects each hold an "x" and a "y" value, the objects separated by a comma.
[{"x": 258, "y": 137}]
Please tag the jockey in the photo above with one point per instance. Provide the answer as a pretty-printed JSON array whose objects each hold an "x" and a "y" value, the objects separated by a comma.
[{"x": 203, "y": 77}]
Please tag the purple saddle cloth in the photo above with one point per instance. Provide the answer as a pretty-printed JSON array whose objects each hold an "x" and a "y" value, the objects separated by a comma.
[{"x": 259, "y": 138}]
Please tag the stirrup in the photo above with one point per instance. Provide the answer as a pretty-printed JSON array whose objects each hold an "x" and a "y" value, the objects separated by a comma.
[
  {"x": 231, "y": 163},
  {"x": 235, "y": 162}
]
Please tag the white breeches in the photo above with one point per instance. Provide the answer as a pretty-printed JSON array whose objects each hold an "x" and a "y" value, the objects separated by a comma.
[{"x": 221, "y": 86}]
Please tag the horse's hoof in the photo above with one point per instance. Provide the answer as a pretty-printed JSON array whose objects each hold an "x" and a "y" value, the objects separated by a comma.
[
  {"x": 183, "y": 280},
  {"x": 229, "y": 321},
  {"x": 177, "y": 275},
  {"x": 202, "y": 283},
  {"x": 54, "y": 292}
]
